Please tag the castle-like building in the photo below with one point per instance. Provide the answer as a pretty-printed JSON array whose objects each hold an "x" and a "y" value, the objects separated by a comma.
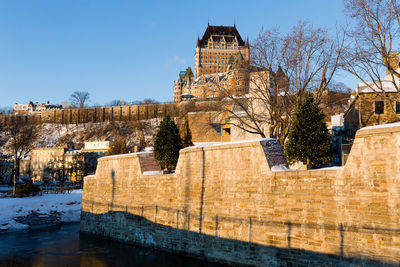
[
  {"x": 220, "y": 59},
  {"x": 217, "y": 47}
]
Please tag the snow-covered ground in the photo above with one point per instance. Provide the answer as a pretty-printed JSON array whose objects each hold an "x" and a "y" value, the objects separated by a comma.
[{"x": 38, "y": 211}]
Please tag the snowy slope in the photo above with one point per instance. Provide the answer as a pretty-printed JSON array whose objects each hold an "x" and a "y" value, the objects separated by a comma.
[{"x": 51, "y": 135}]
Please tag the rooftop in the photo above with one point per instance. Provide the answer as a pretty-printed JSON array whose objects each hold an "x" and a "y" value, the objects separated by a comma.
[
  {"x": 217, "y": 32},
  {"x": 389, "y": 84}
]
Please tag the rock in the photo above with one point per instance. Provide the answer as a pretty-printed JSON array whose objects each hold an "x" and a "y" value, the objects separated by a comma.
[{"x": 35, "y": 219}]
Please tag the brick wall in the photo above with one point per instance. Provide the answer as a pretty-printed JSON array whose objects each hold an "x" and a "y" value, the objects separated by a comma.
[{"x": 225, "y": 204}]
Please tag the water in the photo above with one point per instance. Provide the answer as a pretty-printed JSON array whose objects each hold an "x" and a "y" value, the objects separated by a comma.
[{"x": 64, "y": 246}]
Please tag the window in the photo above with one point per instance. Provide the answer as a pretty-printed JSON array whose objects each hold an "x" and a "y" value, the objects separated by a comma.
[
  {"x": 379, "y": 107},
  {"x": 397, "y": 107}
]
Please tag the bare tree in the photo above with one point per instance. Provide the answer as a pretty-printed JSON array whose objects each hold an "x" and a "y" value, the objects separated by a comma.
[
  {"x": 372, "y": 39},
  {"x": 148, "y": 101},
  {"x": 6, "y": 110},
  {"x": 283, "y": 69},
  {"x": 21, "y": 135},
  {"x": 336, "y": 100},
  {"x": 115, "y": 102},
  {"x": 79, "y": 98}
]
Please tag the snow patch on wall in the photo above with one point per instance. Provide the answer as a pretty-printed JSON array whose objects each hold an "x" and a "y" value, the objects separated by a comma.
[{"x": 387, "y": 125}]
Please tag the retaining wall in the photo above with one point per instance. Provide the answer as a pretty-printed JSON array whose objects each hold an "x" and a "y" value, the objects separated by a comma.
[
  {"x": 116, "y": 113},
  {"x": 225, "y": 204}
]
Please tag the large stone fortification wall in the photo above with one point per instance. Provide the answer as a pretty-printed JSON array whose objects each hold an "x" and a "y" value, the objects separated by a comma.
[
  {"x": 224, "y": 203},
  {"x": 116, "y": 113}
]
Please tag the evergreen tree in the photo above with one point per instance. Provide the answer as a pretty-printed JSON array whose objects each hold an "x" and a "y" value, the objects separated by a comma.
[
  {"x": 186, "y": 134},
  {"x": 167, "y": 144},
  {"x": 309, "y": 140}
]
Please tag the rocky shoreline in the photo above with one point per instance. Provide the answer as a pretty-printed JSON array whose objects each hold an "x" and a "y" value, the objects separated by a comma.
[
  {"x": 39, "y": 220},
  {"x": 39, "y": 212}
]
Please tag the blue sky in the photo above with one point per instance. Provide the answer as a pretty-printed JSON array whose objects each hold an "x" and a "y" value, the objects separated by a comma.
[{"x": 127, "y": 50}]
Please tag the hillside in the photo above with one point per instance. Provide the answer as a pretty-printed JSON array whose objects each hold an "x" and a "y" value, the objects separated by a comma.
[{"x": 75, "y": 135}]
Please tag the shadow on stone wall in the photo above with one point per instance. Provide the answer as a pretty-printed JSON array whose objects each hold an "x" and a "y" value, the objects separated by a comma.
[{"x": 128, "y": 227}]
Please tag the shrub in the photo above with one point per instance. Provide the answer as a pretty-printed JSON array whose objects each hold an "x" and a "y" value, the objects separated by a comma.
[{"x": 27, "y": 189}]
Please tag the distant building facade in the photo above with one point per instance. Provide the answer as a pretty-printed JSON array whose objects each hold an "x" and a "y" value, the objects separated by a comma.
[
  {"x": 97, "y": 146},
  {"x": 73, "y": 165},
  {"x": 376, "y": 102},
  {"x": 217, "y": 47},
  {"x": 92, "y": 152},
  {"x": 57, "y": 163},
  {"x": 34, "y": 108},
  {"x": 44, "y": 159},
  {"x": 221, "y": 67}
]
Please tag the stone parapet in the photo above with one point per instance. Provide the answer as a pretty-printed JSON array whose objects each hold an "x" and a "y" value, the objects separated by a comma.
[
  {"x": 224, "y": 203},
  {"x": 379, "y": 129}
]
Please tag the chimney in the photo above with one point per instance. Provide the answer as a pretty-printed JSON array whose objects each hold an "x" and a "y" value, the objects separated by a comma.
[{"x": 393, "y": 59}]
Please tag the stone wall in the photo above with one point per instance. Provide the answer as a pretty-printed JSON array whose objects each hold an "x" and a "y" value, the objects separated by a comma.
[
  {"x": 225, "y": 204},
  {"x": 116, "y": 113},
  {"x": 366, "y": 106},
  {"x": 205, "y": 126}
]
